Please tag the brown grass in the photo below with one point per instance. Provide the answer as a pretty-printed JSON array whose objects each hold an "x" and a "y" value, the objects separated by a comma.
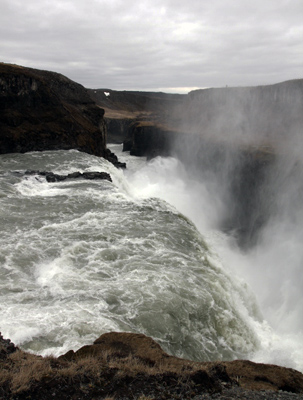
[{"x": 22, "y": 370}]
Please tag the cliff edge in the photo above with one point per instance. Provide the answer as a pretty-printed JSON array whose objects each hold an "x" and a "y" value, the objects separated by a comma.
[{"x": 42, "y": 110}]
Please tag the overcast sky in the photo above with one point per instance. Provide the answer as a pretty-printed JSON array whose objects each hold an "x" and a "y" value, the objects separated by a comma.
[{"x": 167, "y": 45}]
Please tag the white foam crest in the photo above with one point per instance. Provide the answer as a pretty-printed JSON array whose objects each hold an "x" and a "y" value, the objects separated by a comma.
[
  {"x": 58, "y": 326},
  {"x": 22, "y": 334},
  {"x": 52, "y": 274},
  {"x": 280, "y": 349},
  {"x": 33, "y": 186},
  {"x": 135, "y": 281}
]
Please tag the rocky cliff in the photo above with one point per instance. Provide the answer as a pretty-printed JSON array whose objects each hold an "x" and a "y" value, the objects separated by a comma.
[
  {"x": 244, "y": 117},
  {"x": 233, "y": 135},
  {"x": 237, "y": 136},
  {"x": 41, "y": 110},
  {"x": 130, "y": 114},
  {"x": 261, "y": 114}
]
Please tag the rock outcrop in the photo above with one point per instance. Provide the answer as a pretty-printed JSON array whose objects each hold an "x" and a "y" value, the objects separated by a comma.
[
  {"x": 247, "y": 374},
  {"x": 133, "y": 366},
  {"x": 145, "y": 138},
  {"x": 42, "y": 110},
  {"x": 52, "y": 177},
  {"x": 6, "y": 347},
  {"x": 117, "y": 127}
]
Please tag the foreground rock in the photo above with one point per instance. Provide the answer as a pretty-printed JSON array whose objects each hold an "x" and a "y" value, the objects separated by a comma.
[
  {"x": 6, "y": 347},
  {"x": 133, "y": 366},
  {"x": 42, "y": 110}
]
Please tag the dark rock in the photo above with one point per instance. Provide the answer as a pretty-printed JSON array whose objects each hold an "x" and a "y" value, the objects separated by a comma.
[
  {"x": 6, "y": 347},
  {"x": 42, "y": 110},
  {"x": 74, "y": 175},
  {"x": 93, "y": 175},
  {"x": 51, "y": 177},
  {"x": 148, "y": 139},
  {"x": 218, "y": 371},
  {"x": 203, "y": 379},
  {"x": 117, "y": 128},
  {"x": 112, "y": 158}
]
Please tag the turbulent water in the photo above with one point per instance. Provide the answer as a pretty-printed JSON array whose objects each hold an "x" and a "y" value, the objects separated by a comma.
[{"x": 81, "y": 258}]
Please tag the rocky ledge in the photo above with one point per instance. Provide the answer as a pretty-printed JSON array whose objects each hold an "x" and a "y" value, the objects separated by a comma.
[{"x": 133, "y": 366}]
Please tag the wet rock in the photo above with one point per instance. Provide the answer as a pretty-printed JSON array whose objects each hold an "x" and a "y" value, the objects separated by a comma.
[
  {"x": 112, "y": 158},
  {"x": 52, "y": 177}
]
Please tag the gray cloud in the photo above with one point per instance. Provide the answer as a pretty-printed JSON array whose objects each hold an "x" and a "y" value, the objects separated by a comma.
[{"x": 156, "y": 45}]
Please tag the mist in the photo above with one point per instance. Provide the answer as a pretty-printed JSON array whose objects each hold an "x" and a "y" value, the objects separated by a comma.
[
  {"x": 278, "y": 255},
  {"x": 242, "y": 149},
  {"x": 236, "y": 172}
]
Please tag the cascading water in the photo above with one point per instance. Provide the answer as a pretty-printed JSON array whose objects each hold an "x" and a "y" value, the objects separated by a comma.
[{"x": 80, "y": 258}]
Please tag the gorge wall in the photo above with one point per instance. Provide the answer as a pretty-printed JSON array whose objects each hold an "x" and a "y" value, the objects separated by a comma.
[
  {"x": 234, "y": 136},
  {"x": 41, "y": 110},
  {"x": 239, "y": 138},
  {"x": 264, "y": 117},
  {"x": 252, "y": 115},
  {"x": 143, "y": 120}
]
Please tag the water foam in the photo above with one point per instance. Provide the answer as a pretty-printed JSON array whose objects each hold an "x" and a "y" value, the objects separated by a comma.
[
  {"x": 92, "y": 257},
  {"x": 279, "y": 331}
]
